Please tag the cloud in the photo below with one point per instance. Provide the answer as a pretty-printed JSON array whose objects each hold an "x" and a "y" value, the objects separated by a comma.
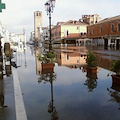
[{"x": 19, "y": 14}]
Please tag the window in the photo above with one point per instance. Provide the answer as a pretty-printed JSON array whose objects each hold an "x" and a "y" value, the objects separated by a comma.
[
  {"x": 100, "y": 29},
  {"x": 67, "y": 32},
  {"x": 85, "y": 33},
  {"x": 93, "y": 31},
  {"x": 112, "y": 28},
  {"x": 55, "y": 32},
  {"x": 118, "y": 27},
  {"x": 77, "y": 28},
  {"x": 67, "y": 57},
  {"x": 81, "y": 34},
  {"x": 89, "y": 31},
  {"x": 60, "y": 57},
  {"x": 59, "y": 33},
  {"x": 36, "y": 14},
  {"x": 112, "y": 40}
]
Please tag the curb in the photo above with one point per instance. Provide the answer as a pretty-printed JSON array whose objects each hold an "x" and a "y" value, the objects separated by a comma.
[{"x": 19, "y": 104}]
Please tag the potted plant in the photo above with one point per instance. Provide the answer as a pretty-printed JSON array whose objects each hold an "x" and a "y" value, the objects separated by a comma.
[
  {"x": 47, "y": 60},
  {"x": 91, "y": 61},
  {"x": 115, "y": 67}
]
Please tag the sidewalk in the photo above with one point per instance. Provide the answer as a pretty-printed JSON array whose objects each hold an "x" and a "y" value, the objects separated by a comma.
[
  {"x": 11, "y": 100},
  {"x": 7, "y": 102}
]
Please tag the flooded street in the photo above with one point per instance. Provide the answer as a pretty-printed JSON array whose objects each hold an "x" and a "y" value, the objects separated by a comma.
[
  {"x": 68, "y": 92},
  {"x": 59, "y": 60}
]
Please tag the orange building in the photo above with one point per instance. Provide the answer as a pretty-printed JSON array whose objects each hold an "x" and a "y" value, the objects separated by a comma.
[
  {"x": 71, "y": 59},
  {"x": 105, "y": 32}
]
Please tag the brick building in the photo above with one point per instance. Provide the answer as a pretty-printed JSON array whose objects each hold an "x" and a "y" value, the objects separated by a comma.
[{"x": 105, "y": 32}]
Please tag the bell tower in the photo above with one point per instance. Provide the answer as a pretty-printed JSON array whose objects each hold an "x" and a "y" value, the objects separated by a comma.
[{"x": 37, "y": 23}]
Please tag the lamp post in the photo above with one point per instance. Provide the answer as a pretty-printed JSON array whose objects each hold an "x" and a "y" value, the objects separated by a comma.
[
  {"x": 49, "y": 5},
  {"x": 1, "y": 57}
]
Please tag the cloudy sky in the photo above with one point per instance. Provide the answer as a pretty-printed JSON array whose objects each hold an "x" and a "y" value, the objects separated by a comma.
[{"x": 19, "y": 14}]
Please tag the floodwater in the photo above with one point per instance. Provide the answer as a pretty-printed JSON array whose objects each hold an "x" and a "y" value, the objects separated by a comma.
[{"x": 69, "y": 92}]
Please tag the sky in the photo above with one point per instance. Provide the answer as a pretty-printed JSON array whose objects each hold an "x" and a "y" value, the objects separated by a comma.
[{"x": 19, "y": 14}]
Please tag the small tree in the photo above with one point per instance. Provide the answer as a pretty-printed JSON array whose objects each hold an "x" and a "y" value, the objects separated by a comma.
[
  {"x": 47, "y": 58},
  {"x": 91, "y": 60},
  {"x": 115, "y": 67}
]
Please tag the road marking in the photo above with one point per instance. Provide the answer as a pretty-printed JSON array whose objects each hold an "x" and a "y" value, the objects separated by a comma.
[{"x": 19, "y": 104}]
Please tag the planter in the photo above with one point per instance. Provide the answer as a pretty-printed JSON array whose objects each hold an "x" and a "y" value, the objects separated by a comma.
[
  {"x": 47, "y": 65},
  {"x": 92, "y": 76},
  {"x": 116, "y": 79},
  {"x": 47, "y": 68},
  {"x": 115, "y": 87},
  {"x": 92, "y": 69}
]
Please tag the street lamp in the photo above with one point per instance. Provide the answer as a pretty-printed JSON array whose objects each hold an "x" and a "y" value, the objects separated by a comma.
[
  {"x": 1, "y": 57},
  {"x": 49, "y": 5}
]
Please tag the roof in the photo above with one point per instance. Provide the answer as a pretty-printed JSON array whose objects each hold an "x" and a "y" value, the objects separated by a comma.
[
  {"x": 74, "y": 22},
  {"x": 70, "y": 22},
  {"x": 110, "y": 19}
]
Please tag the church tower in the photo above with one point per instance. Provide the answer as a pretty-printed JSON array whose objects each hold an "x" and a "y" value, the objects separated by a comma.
[{"x": 37, "y": 23}]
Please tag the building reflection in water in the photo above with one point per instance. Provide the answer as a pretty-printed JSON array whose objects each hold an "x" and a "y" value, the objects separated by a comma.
[
  {"x": 77, "y": 59},
  {"x": 16, "y": 61},
  {"x": 38, "y": 63},
  {"x": 71, "y": 59},
  {"x": 25, "y": 63}
]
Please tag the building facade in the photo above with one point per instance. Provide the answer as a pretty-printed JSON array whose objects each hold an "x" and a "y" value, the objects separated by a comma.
[
  {"x": 105, "y": 32},
  {"x": 68, "y": 32},
  {"x": 91, "y": 19}
]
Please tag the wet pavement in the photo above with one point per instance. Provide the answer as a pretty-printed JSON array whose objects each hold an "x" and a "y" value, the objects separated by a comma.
[{"x": 7, "y": 101}]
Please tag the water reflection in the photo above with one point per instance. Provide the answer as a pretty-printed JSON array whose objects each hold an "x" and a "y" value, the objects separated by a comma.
[
  {"x": 115, "y": 94},
  {"x": 49, "y": 76},
  {"x": 2, "y": 98},
  {"x": 46, "y": 75},
  {"x": 71, "y": 99},
  {"x": 38, "y": 63},
  {"x": 8, "y": 70},
  {"x": 70, "y": 58},
  {"x": 5, "y": 70},
  {"x": 91, "y": 81},
  {"x": 18, "y": 59},
  {"x": 11, "y": 58}
]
